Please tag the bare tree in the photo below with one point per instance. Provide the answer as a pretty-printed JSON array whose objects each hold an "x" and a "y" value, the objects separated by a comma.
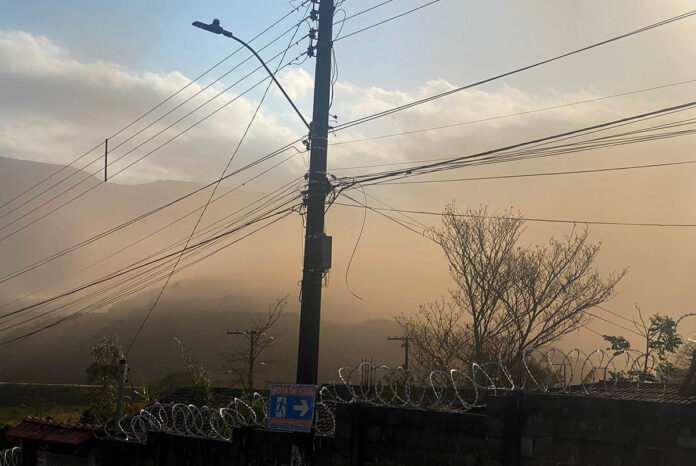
[
  {"x": 243, "y": 359},
  {"x": 438, "y": 336},
  {"x": 550, "y": 290},
  {"x": 479, "y": 248},
  {"x": 509, "y": 298}
]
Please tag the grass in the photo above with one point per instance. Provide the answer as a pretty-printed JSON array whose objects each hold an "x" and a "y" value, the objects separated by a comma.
[{"x": 13, "y": 415}]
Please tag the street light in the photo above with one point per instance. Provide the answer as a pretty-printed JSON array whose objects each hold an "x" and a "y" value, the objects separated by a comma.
[{"x": 215, "y": 28}]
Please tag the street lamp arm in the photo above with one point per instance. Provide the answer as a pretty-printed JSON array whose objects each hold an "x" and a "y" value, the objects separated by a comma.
[{"x": 217, "y": 29}]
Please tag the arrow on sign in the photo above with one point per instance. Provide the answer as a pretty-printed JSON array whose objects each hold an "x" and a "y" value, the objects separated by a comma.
[{"x": 303, "y": 407}]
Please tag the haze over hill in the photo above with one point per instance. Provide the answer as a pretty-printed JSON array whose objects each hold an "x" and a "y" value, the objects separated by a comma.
[{"x": 393, "y": 271}]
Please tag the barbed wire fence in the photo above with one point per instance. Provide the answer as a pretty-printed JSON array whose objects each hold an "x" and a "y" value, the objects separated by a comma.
[
  {"x": 206, "y": 422},
  {"x": 10, "y": 457},
  {"x": 574, "y": 372}
]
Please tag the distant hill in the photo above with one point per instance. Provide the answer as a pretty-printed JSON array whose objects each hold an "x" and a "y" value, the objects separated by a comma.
[
  {"x": 200, "y": 303},
  {"x": 62, "y": 354}
]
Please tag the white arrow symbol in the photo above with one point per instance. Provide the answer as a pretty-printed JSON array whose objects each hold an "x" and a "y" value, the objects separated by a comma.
[{"x": 303, "y": 408}]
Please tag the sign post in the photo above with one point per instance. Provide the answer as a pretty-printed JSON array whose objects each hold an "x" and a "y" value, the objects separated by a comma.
[{"x": 291, "y": 407}]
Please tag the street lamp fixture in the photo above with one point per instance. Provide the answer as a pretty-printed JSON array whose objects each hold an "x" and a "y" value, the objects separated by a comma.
[{"x": 215, "y": 28}]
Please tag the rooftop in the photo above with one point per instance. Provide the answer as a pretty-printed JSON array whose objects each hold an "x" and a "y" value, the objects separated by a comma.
[{"x": 47, "y": 430}]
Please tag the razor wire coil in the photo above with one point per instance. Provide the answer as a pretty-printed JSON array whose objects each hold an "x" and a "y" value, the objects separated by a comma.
[{"x": 10, "y": 457}]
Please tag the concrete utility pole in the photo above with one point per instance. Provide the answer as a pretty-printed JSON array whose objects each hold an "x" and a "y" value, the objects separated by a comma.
[
  {"x": 317, "y": 251},
  {"x": 106, "y": 158},
  {"x": 119, "y": 396},
  {"x": 253, "y": 340},
  {"x": 317, "y": 255},
  {"x": 405, "y": 345}
]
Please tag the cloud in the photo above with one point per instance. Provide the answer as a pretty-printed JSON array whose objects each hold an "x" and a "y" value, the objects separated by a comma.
[{"x": 55, "y": 107}]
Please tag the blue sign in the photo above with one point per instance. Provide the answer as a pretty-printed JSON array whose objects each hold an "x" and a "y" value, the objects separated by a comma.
[{"x": 291, "y": 407}]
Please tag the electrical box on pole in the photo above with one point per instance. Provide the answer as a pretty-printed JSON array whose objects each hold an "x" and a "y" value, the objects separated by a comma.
[{"x": 326, "y": 253}]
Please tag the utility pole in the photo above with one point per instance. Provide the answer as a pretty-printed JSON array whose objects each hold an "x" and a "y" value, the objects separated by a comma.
[
  {"x": 317, "y": 251},
  {"x": 106, "y": 154},
  {"x": 119, "y": 396},
  {"x": 253, "y": 340},
  {"x": 405, "y": 345}
]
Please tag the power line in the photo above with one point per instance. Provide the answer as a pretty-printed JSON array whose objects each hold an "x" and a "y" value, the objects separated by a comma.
[
  {"x": 89, "y": 176},
  {"x": 499, "y": 117},
  {"x": 274, "y": 200},
  {"x": 530, "y": 219},
  {"x": 215, "y": 187},
  {"x": 144, "y": 278},
  {"x": 143, "y": 216},
  {"x": 84, "y": 311},
  {"x": 453, "y": 162},
  {"x": 387, "y": 112},
  {"x": 518, "y": 70},
  {"x": 529, "y": 175},
  {"x": 386, "y": 20},
  {"x": 154, "y": 261},
  {"x": 673, "y": 19},
  {"x": 156, "y": 106},
  {"x": 614, "y": 323},
  {"x": 168, "y": 225}
]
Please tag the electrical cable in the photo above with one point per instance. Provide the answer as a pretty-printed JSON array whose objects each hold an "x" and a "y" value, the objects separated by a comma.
[
  {"x": 517, "y": 70},
  {"x": 89, "y": 176},
  {"x": 530, "y": 219},
  {"x": 386, "y": 20},
  {"x": 14, "y": 340},
  {"x": 526, "y": 112},
  {"x": 156, "y": 106},
  {"x": 673, "y": 19},
  {"x": 530, "y": 175},
  {"x": 559, "y": 136},
  {"x": 212, "y": 194}
]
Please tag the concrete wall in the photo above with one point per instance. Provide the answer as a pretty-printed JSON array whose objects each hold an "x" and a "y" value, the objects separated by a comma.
[
  {"x": 515, "y": 429},
  {"x": 590, "y": 431},
  {"x": 369, "y": 435}
]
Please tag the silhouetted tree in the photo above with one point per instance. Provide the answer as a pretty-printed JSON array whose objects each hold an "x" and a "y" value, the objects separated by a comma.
[
  {"x": 103, "y": 372},
  {"x": 508, "y": 298},
  {"x": 438, "y": 337},
  {"x": 200, "y": 381},
  {"x": 245, "y": 357},
  {"x": 661, "y": 345}
]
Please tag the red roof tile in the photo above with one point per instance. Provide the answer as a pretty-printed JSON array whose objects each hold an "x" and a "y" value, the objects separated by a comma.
[{"x": 33, "y": 428}]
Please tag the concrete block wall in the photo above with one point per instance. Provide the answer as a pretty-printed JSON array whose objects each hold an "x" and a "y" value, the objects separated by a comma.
[
  {"x": 393, "y": 436},
  {"x": 562, "y": 430}
]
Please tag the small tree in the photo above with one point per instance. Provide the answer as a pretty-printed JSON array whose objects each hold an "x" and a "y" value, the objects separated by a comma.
[
  {"x": 661, "y": 344},
  {"x": 438, "y": 337},
  {"x": 244, "y": 358},
  {"x": 200, "y": 381},
  {"x": 104, "y": 372}
]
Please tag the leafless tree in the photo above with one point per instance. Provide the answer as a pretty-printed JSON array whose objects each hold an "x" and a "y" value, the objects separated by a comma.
[
  {"x": 437, "y": 333},
  {"x": 508, "y": 298},
  {"x": 479, "y": 249},
  {"x": 550, "y": 290},
  {"x": 244, "y": 358}
]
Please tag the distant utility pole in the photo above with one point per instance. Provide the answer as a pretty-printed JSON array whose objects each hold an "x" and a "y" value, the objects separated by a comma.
[
  {"x": 405, "y": 345},
  {"x": 119, "y": 395},
  {"x": 317, "y": 251},
  {"x": 106, "y": 154},
  {"x": 253, "y": 341}
]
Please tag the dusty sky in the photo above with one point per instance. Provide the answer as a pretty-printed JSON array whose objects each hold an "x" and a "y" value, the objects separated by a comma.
[{"x": 74, "y": 73}]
